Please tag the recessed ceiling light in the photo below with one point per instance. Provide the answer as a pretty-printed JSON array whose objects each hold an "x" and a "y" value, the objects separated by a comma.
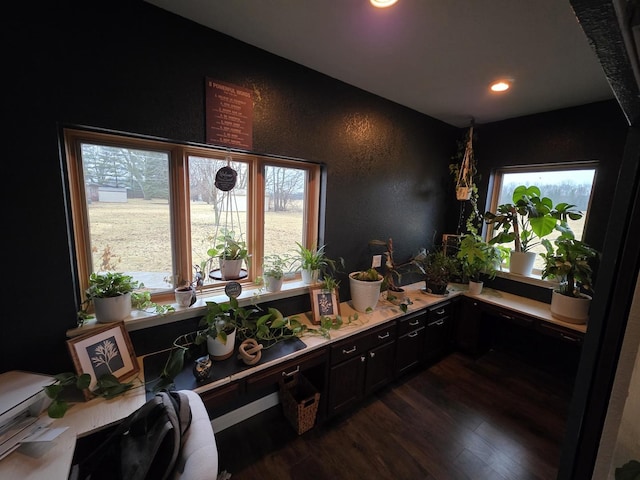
[
  {"x": 500, "y": 86},
  {"x": 382, "y": 3}
]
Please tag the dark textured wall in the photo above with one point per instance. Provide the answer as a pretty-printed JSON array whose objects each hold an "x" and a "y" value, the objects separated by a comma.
[{"x": 128, "y": 66}]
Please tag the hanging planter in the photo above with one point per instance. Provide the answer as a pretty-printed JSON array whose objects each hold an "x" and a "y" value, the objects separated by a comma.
[{"x": 464, "y": 183}]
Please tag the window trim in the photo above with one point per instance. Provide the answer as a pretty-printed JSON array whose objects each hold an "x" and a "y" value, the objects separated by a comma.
[{"x": 178, "y": 154}]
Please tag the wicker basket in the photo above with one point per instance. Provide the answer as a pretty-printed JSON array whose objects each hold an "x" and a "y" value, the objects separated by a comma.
[{"x": 300, "y": 401}]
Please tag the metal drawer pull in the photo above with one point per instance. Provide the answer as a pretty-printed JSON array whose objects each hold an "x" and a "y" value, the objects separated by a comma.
[
  {"x": 363, "y": 359},
  {"x": 506, "y": 316},
  {"x": 372, "y": 354},
  {"x": 349, "y": 351},
  {"x": 382, "y": 337},
  {"x": 414, "y": 323},
  {"x": 440, "y": 312},
  {"x": 413, "y": 334},
  {"x": 291, "y": 374},
  {"x": 567, "y": 337},
  {"x": 437, "y": 323}
]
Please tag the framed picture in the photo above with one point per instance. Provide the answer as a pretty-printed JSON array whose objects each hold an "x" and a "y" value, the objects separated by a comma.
[
  {"x": 324, "y": 303},
  {"x": 106, "y": 350}
]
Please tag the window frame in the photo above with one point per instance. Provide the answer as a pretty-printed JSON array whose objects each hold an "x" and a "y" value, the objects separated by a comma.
[
  {"x": 497, "y": 177},
  {"x": 179, "y": 196}
]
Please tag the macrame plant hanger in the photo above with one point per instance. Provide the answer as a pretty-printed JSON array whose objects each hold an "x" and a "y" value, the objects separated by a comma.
[{"x": 464, "y": 183}]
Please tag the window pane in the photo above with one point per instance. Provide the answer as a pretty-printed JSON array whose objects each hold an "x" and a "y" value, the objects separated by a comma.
[
  {"x": 214, "y": 211},
  {"x": 284, "y": 209},
  {"x": 127, "y": 194},
  {"x": 570, "y": 186}
]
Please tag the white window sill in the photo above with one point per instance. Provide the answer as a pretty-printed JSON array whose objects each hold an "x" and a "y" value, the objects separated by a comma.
[
  {"x": 141, "y": 319},
  {"x": 533, "y": 279}
]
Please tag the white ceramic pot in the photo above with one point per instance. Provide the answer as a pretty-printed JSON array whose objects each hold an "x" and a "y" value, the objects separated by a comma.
[
  {"x": 230, "y": 269},
  {"x": 184, "y": 296},
  {"x": 570, "y": 309},
  {"x": 364, "y": 295},
  {"x": 273, "y": 284},
  {"x": 475, "y": 288},
  {"x": 309, "y": 276},
  {"x": 219, "y": 350},
  {"x": 112, "y": 309},
  {"x": 521, "y": 263}
]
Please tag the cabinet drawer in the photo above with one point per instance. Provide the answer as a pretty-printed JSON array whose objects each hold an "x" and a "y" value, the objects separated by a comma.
[
  {"x": 411, "y": 322},
  {"x": 220, "y": 396},
  {"x": 273, "y": 375},
  {"x": 439, "y": 311},
  {"x": 563, "y": 334},
  {"x": 358, "y": 344},
  {"x": 512, "y": 317}
]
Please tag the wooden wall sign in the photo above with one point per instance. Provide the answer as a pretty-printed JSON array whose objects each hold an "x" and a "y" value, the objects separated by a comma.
[{"x": 229, "y": 115}]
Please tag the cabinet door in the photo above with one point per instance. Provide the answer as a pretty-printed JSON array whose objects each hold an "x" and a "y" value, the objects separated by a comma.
[
  {"x": 346, "y": 384},
  {"x": 469, "y": 336},
  {"x": 379, "y": 367},
  {"x": 410, "y": 350},
  {"x": 438, "y": 337}
]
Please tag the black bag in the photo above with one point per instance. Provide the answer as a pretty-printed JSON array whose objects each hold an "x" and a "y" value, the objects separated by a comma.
[{"x": 145, "y": 445}]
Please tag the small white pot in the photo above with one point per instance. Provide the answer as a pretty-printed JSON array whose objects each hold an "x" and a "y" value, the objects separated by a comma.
[
  {"x": 521, "y": 263},
  {"x": 230, "y": 269},
  {"x": 273, "y": 284},
  {"x": 475, "y": 288},
  {"x": 309, "y": 276},
  {"x": 570, "y": 309},
  {"x": 112, "y": 309},
  {"x": 184, "y": 297},
  {"x": 364, "y": 295},
  {"x": 219, "y": 350}
]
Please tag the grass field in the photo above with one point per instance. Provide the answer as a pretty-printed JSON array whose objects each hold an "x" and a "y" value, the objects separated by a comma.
[{"x": 137, "y": 233}]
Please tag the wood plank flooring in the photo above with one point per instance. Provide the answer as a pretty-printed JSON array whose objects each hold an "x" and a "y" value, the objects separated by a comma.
[{"x": 493, "y": 418}]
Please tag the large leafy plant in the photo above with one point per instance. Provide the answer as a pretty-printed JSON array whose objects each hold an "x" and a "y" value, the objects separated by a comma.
[
  {"x": 529, "y": 218},
  {"x": 570, "y": 262}
]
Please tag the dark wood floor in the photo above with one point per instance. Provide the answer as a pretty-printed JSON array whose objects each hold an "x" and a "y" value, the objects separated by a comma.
[{"x": 493, "y": 418}]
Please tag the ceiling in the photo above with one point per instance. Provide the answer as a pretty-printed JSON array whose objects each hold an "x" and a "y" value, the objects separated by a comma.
[{"x": 437, "y": 57}]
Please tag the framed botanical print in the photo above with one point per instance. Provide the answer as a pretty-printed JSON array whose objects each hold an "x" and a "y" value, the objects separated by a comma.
[
  {"x": 105, "y": 350},
  {"x": 324, "y": 304}
]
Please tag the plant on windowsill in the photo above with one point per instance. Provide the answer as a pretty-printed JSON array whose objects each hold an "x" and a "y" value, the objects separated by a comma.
[
  {"x": 274, "y": 269},
  {"x": 314, "y": 262},
  {"x": 570, "y": 261},
  {"x": 113, "y": 294},
  {"x": 526, "y": 222}
]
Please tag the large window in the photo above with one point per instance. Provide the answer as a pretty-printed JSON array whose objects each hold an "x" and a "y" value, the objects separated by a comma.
[
  {"x": 151, "y": 208},
  {"x": 561, "y": 183}
]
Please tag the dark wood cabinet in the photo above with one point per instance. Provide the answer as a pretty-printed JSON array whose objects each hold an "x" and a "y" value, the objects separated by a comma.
[
  {"x": 470, "y": 336},
  {"x": 439, "y": 330},
  {"x": 410, "y": 346},
  {"x": 360, "y": 365}
]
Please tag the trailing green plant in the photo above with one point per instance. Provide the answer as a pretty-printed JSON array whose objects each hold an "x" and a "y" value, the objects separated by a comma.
[
  {"x": 107, "y": 386},
  {"x": 114, "y": 284},
  {"x": 529, "y": 218},
  {"x": 277, "y": 265},
  {"x": 474, "y": 217},
  {"x": 570, "y": 261},
  {"x": 229, "y": 247}
]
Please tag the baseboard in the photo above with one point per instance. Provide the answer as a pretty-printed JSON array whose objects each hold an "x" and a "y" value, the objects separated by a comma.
[{"x": 246, "y": 411}]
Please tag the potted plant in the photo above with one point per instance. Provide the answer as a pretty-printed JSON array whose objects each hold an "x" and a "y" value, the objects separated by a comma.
[
  {"x": 365, "y": 287},
  {"x": 477, "y": 258},
  {"x": 274, "y": 268},
  {"x": 393, "y": 273},
  {"x": 526, "y": 221},
  {"x": 221, "y": 321},
  {"x": 570, "y": 262},
  {"x": 231, "y": 252},
  {"x": 438, "y": 269},
  {"x": 110, "y": 294},
  {"x": 312, "y": 262}
]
